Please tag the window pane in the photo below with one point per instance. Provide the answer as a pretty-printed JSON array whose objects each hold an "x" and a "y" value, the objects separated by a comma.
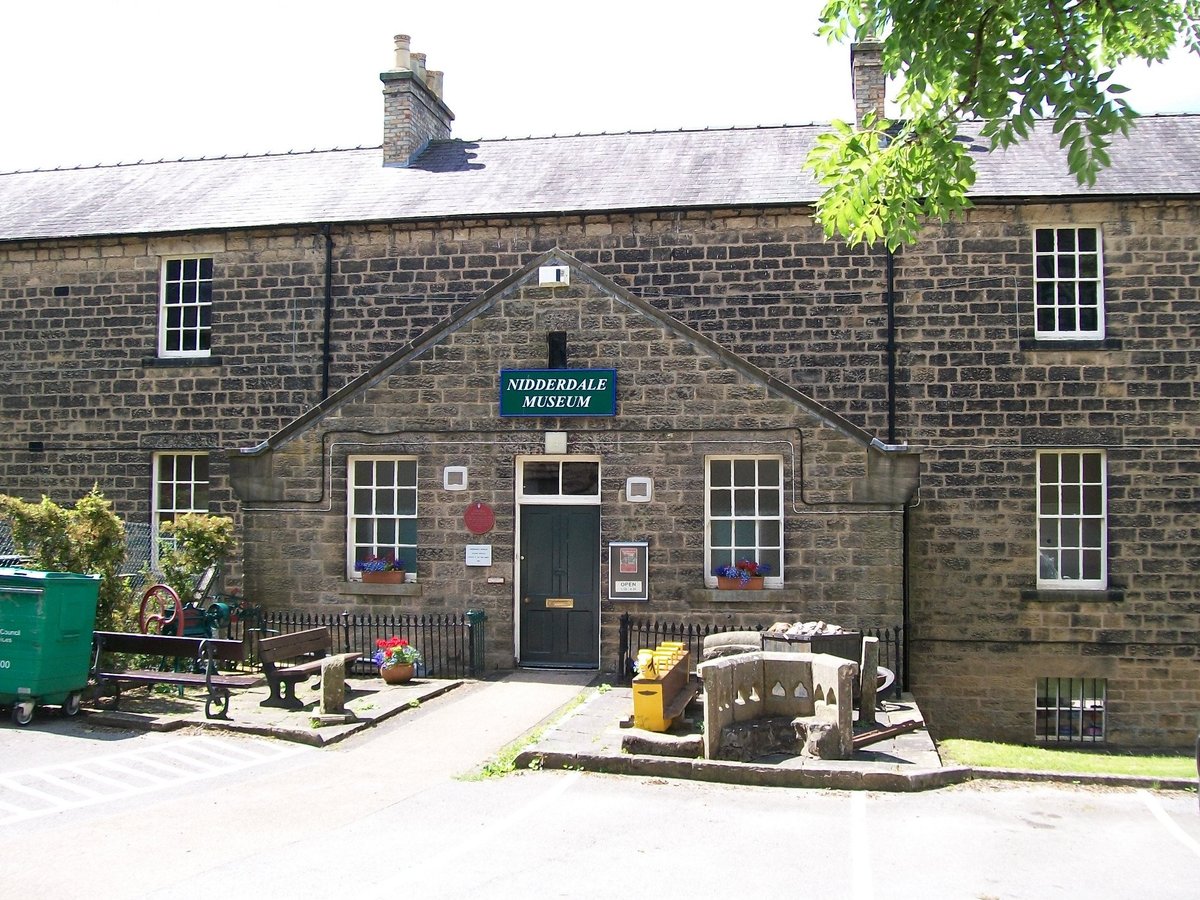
[
  {"x": 385, "y": 502},
  {"x": 406, "y": 502},
  {"x": 189, "y": 269},
  {"x": 385, "y": 531},
  {"x": 1066, "y": 239},
  {"x": 362, "y": 502},
  {"x": 744, "y": 534},
  {"x": 362, "y": 472},
  {"x": 720, "y": 473},
  {"x": 1092, "y": 564},
  {"x": 1093, "y": 500},
  {"x": 540, "y": 478},
  {"x": 1088, "y": 239},
  {"x": 406, "y": 473},
  {"x": 407, "y": 532},
  {"x": 721, "y": 503},
  {"x": 173, "y": 269},
  {"x": 720, "y": 533},
  {"x": 768, "y": 533},
  {"x": 1044, "y": 238},
  {"x": 580, "y": 479},
  {"x": 1070, "y": 468},
  {"x": 768, "y": 502},
  {"x": 744, "y": 472},
  {"x": 743, "y": 502},
  {"x": 768, "y": 472}
]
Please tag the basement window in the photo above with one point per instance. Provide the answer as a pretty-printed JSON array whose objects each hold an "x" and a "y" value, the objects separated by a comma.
[{"x": 1070, "y": 710}]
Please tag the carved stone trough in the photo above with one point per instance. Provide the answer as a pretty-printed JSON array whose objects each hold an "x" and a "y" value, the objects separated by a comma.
[{"x": 765, "y": 702}]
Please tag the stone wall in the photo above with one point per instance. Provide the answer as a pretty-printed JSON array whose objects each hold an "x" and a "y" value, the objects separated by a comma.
[{"x": 975, "y": 393}]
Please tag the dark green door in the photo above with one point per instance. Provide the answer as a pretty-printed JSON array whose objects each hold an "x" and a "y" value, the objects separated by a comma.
[{"x": 560, "y": 586}]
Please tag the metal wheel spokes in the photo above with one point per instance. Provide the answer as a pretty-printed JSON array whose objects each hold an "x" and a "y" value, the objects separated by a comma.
[{"x": 160, "y": 612}]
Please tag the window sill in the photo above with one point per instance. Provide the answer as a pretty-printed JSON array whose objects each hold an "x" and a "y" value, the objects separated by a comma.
[
  {"x": 1029, "y": 344},
  {"x": 169, "y": 362},
  {"x": 358, "y": 589},
  {"x": 1035, "y": 595}
]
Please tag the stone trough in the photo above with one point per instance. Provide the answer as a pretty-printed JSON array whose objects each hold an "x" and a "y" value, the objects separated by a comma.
[{"x": 764, "y": 702}]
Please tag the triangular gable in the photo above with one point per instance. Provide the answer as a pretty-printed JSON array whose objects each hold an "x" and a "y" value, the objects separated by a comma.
[{"x": 579, "y": 272}]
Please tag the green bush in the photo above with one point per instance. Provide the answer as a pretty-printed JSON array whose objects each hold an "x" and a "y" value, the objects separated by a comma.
[
  {"x": 88, "y": 539},
  {"x": 191, "y": 544}
]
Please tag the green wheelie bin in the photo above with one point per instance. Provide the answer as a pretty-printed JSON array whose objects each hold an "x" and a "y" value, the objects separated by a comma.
[{"x": 46, "y": 621}]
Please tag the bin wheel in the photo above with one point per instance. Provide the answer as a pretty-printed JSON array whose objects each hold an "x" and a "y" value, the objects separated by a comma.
[
  {"x": 160, "y": 612},
  {"x": 70, "y": 706},
  {"x": 22, "y": 713}
]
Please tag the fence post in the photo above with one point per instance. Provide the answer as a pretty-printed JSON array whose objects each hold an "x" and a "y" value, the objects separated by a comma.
[
  {"x": 623, "y": 648},
  {"x": 476, "y": 618}
]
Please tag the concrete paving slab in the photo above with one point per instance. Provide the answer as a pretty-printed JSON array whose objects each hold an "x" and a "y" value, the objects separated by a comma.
[{"x": 368, "y": 702}]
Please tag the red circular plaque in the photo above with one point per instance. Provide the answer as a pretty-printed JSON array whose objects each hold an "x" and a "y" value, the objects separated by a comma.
[{"x": 479, "y": 518}]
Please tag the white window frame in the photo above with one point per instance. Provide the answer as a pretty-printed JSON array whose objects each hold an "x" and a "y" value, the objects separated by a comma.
[
  {"x": 1071, "y": 710},
  {"x": 191, "y": 295},
  {"x": 378, "y": 492},
  {"x": 744, "y": 550},
  {"x": 558, "y": 498},
  {"x": 1057, "y": 278},
  {"x": 190, "y": 485},
  {"x": 1072, "y": 520}
]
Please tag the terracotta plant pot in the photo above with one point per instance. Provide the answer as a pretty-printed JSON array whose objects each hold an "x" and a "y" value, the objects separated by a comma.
[
  {"x": 383, "y": 577},
  {"x": 736, "y": 584},
  {"x": 397, "y": 674}
]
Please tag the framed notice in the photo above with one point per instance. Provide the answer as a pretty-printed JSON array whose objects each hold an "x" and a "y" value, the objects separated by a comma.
[{"x": 628, "y": 578}]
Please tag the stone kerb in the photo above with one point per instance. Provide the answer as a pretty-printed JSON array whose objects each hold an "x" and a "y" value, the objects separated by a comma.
[{"x": 768, "y": 685}]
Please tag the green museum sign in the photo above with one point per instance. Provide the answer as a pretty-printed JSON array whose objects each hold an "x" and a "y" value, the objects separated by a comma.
[{"x": 558, "y": 392}]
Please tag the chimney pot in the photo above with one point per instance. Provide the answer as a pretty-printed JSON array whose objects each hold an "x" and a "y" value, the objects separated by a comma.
[
  {"x": 417, "y": 64},
  {"x": 402, "y": 54},
  {"x": 433, "y": 78}
]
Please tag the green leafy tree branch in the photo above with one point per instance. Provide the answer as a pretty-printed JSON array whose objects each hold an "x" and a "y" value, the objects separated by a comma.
[{"x": 1002, "y": 65}]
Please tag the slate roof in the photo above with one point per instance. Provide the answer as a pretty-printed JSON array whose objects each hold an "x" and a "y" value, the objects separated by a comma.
[{"x": 532, "y": 176}]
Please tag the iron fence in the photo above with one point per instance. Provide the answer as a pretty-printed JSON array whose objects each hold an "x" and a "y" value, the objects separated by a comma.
[
  {"x": 637, "y": 634},
  {"x": 448, "y": 642}
]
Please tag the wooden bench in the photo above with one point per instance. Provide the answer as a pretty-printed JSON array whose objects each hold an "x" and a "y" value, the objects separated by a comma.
[
  {"x": 201, "y": 656},
  {"x": 306, "y": 650}
]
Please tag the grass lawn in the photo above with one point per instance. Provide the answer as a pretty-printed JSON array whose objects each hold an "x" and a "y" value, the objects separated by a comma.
[{"x": 1049, "y": 759}]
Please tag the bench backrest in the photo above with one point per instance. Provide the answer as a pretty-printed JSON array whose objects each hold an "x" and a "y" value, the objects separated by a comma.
[
  {"x": 313, "y": 642},
  {"x": 168, "y": 645}
]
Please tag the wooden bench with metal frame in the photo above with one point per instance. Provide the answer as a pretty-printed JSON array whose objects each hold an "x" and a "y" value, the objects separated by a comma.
[
  {"x": 200, "y": 656},
  {"x": 307, "y": 649}
]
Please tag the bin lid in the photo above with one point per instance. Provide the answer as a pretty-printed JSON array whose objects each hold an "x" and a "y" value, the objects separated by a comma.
[{"x": 38, "y": 574}]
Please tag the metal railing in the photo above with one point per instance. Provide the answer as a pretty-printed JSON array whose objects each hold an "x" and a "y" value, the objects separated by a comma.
[
  {"x": 637, "y": 634},
  {"x": 451, "y": 644}
]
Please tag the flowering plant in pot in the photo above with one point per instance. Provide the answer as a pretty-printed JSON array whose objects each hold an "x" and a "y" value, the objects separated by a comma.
[
  {"x": 745, "y": 574},
  {"x": 396, "y": 658},
  {"x": 387, "y": 569}
]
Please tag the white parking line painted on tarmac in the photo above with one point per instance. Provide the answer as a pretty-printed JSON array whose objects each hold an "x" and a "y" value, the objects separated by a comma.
[
  {"x": 862, "y": 879},
  {"x": 1168, "y": 823},
  {"x": 33, "y": 793}
]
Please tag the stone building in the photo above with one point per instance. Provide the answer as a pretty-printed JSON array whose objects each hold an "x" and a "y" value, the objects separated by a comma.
[{"x": 988, "y": 438}]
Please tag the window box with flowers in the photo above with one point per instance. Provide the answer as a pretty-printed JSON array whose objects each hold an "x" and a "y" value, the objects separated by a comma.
[
  {"x": 381, "y": 570},
  {"x": 743, "y": 575}
]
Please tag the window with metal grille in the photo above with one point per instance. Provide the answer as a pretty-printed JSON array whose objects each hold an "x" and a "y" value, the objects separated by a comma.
[
  {"x": 1070, "y": 710},
  {"x": 1072, "y": 519},
  {"x": 180, "y": 486},
  {"x": 382, "y": 514},
  {"x": 744, "y": 513},
  {"x": 185, "y": 314},
  {"x": 1068, "y": 284}
]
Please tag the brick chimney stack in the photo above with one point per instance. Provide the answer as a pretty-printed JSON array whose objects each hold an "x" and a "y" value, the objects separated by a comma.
[
  {"x": 866, "y": 65},
  {"x": 413, "y": 110}
]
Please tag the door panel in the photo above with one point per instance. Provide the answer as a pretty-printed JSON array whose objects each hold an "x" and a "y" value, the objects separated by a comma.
[{"x": 560, "y": 586}]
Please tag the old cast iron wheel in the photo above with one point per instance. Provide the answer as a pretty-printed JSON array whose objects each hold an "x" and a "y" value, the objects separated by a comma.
[{"x": 160, "y": 610}]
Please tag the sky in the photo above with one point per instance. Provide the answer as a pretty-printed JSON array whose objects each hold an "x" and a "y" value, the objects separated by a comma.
[{"x": 88, "y": 82}]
